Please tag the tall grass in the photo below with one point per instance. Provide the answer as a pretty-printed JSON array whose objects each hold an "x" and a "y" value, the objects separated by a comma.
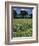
[{"x": 22, "y": 28}]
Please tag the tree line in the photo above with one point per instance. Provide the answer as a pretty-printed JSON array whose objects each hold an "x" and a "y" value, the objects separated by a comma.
[{"x": 22, "y": 14}]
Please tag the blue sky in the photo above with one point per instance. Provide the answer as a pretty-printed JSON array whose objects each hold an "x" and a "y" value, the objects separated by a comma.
[{"x": 29, "y": 10}]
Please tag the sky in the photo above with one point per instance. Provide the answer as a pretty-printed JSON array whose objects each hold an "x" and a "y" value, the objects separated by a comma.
[{"x": 29, "y": 10}]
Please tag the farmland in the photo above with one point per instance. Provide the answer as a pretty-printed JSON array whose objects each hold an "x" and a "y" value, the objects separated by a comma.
[{"x": 22, "y": 28}]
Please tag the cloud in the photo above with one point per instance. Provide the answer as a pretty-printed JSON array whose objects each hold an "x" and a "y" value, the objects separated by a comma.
[{"x": 23, "y": 9}]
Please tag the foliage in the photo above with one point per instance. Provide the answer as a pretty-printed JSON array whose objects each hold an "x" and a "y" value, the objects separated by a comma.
[
  {"x": 14, "y": 13},
  {"x": 23, "y": 13},
  {"x": 22, "y": 28}
]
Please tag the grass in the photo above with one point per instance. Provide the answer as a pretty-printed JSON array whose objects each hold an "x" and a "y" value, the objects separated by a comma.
[{"x": 22, "y": 28}]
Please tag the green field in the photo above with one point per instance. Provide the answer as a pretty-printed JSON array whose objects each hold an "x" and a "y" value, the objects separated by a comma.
[{"x": 22, "y": 28}]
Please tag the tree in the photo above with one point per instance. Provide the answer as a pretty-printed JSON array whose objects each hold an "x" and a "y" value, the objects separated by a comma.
[
  {"x": 14, "y": 13},
  {"x": 31, "y": 15},
  {"x": 23, "y": 13}
]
